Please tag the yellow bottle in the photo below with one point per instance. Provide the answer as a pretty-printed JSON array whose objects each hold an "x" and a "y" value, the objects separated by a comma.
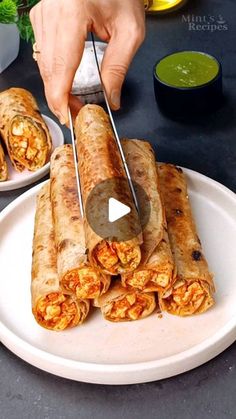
[{"x": 161, "y": 6}]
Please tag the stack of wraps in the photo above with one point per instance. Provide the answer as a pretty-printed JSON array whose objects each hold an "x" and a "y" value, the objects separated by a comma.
[
  {"x": 100, "y": 160},
  {"x": 23, "y": 131},
  {"x": 72, "y": 265}
]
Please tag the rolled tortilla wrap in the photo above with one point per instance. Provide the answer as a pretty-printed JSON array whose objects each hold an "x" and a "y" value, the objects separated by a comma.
[
  {"x": 3, "y": 165},
  {"x": 124, "y": 304},
  {"x": 100, "y": 160},
  {"x": 155, "y": 271},
  {"x": 191, "y": 293},
  {"x": 52, "y": 307},
  {"x": 23, "y": 130},
  {"x": 75, "y": 272}
]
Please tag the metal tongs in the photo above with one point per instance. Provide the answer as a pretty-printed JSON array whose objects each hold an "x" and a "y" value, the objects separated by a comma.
[{"x": 118, "y": 142}]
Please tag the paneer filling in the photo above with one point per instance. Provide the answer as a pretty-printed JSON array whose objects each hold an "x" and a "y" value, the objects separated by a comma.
[
  {"x": 57, "y": 311},
  {"x": 3, "y": 165},
  {"x": 28, "y": 143},
  {"x": 129, "y": 307},
  {"x": 116, "y": 258},
  {"x": 84, "y": 282},
  {"x": 2, "y": 171},
  {"x": 147, "y": 279},
  {"x": 186, "y": 298}
]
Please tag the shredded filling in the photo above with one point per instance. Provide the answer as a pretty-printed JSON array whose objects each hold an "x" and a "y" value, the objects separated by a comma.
[
  {"x": 28, "y": 143},
  {"x": 129, "y": 307},
  {"x": 186, "y": 298},
  {"x": 85, "y": 282},
  {"x": 116, "y": 257},
  {"x": 3, "y": 166},
  {"x": 147, "y": 279},
  {"x": 57, "y": 311},
  {"x": 2, "y": 171}
]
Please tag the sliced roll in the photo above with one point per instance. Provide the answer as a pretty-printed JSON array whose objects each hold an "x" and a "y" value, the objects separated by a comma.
[{"x": 23, "y": 130}]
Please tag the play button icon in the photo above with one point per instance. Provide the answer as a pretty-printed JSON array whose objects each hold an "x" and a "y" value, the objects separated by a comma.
[
  {"x": 111, "y": 213},
  {"x": 116, "y": 210}
]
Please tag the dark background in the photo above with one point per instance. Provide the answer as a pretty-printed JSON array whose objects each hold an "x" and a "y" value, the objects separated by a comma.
[{"x": 207, "y": 145}]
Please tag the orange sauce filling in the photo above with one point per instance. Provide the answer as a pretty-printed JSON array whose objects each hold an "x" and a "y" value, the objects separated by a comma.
[
  {"x": 130, "y": 307},
  {"x": 28, "y": 143},
  {"x": 56, "y": 311},
  {"x": 116, "y": 257},
  {"x": 187, "y": 297},
  {"x": 85, "y": 282}
]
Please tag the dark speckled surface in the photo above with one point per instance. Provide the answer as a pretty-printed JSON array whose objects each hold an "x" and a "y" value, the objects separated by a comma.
[{"x": 208, "y": 146}]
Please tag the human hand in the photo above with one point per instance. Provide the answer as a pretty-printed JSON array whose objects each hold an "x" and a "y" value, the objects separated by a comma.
[{"x": 61, "y": 28}]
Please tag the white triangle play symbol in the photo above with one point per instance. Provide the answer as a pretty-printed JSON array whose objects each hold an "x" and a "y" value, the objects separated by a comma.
[{"x": 116, "y": 210}]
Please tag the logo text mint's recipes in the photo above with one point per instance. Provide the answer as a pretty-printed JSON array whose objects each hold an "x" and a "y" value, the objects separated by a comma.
[{"x": 205, "y": 23}]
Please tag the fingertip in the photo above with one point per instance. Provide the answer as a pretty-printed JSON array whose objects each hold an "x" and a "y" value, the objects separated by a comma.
[
  {"x": 115, "y": 99},
  {"x": 62, "y": 119},
  {"x": 75, "y": 105},
  {"x": 61, "y": 116},
  {"x": 112, "y": 85},
  {"x": 113, "y": 76},
  {"x": 58, "y": 104}
]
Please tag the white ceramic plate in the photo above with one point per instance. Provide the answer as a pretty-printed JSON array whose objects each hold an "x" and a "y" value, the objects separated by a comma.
[
  {"x": 18, "y": 180},
  {"x": 122, "y": 353}
]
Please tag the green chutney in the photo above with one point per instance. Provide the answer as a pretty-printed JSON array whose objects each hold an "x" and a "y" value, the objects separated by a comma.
[{"x": 187, "y": 69}]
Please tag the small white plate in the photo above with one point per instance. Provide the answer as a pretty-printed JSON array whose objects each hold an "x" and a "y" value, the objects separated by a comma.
[
  {"x": 16, "y": 179},
  {"x": 122, "y": 353}
]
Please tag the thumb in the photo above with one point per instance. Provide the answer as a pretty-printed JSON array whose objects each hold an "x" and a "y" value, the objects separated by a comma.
[{"x": 117, "y": 58}]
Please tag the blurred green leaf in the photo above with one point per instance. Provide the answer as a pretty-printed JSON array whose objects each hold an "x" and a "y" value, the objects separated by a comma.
[
  {"x": 17, "y": 11},
  {"x": 8, "y": 11},
  {"x": 25, "y": 28}
]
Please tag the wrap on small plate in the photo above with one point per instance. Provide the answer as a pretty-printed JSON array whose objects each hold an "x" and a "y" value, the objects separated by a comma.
[
  {"x": 156, "y": 269},
  {"x": 52, "y": 307},
  {"x": 23, "y": 130},
  {"x": 121, "y": 304},
  {"x": 100, "y": 161},
  {"x": 75, "y": 272},
  {"x": 3, "y": 165},
  {"x": 193, "y": 288}
]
